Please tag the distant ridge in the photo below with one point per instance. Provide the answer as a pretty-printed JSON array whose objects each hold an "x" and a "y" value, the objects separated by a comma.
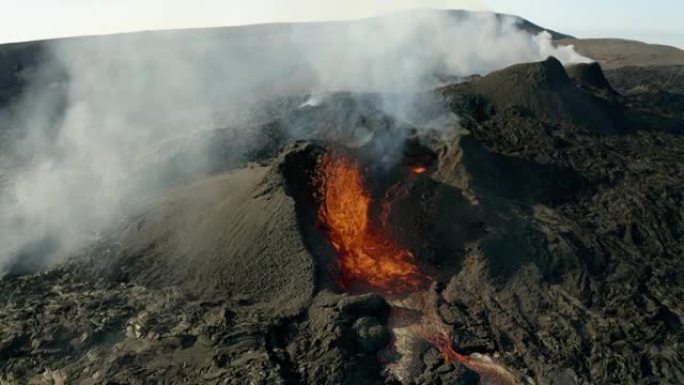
[
  {"x": 16, "y": 58},
  {"x": 523, "y": 23},
  {"x": 458, "y": 14},
  {"x": 616, "y": 53}
]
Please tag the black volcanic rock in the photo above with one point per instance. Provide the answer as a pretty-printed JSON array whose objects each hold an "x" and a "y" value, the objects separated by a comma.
[
  {"x": 545, "y": 90},
  {"x": 648, "y": 79},
  {"x": 590, "y": 76}
]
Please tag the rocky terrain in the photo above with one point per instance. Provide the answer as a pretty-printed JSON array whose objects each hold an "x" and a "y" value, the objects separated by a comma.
[{"x": 550, "y": 217}]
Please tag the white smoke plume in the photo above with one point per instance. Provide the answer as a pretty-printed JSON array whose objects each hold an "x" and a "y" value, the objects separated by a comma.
[{"x": 104, "y": 120}]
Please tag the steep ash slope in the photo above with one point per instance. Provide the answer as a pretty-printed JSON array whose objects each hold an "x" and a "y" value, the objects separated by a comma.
[{"x": 231, "y": 235}]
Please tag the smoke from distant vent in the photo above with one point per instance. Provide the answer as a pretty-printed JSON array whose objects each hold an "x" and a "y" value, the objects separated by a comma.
[{"x": 108, "y": 124}]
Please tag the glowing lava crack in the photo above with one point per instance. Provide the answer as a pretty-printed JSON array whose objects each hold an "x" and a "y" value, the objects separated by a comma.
[
  {"x": 367, "y": 256},
  {"x": 369, "y": 260}
]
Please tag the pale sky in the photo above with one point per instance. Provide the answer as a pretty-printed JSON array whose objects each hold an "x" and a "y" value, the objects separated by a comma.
[{"x": 653, "y": 21}]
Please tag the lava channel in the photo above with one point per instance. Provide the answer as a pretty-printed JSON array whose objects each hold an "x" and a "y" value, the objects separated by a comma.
[{"x": 369, "y": 260}]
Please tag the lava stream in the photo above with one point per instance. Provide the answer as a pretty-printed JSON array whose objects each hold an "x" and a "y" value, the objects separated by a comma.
[
  {"x": 369, "y": 259},
  {"x": 490, "y": 372},
  {"x": 367, "y": 255}
]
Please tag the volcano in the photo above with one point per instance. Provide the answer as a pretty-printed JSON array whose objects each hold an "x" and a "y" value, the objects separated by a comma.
[{"x": 526, "y": 228}]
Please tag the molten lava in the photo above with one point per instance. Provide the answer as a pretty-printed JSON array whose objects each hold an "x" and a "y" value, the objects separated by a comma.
[
  {"x": 418, "y": 169},
  {"x": 442, "y": 342},
  {"x": 367, "y": 255},
  {"x": 490, "y": 372},
  {"x": 369, "y": 259}
]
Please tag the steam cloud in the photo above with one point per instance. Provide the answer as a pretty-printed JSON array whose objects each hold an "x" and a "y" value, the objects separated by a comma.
[{"x": 98, "y": 133}]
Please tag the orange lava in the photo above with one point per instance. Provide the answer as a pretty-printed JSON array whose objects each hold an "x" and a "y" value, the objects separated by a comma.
[
  {"x": 418, "y": 169},
  {"x": 367, "y": 255},
  {"x": 490, "y": 372},
  {"x": 442, "y": 342},
  {"x": 369, "y": 259}
]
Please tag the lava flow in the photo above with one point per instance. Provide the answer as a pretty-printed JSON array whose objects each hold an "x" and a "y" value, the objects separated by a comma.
[
  {"x": 367, "y": 255},
  {"x": 418, "y": 169},
  {"x": 370, "y": 260},
  {"x": 490, "y": 372}
]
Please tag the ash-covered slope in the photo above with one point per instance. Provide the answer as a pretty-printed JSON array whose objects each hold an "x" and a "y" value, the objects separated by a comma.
[
  {"x": 234, "y": 235},
  {"x": 555, "y": 244}
]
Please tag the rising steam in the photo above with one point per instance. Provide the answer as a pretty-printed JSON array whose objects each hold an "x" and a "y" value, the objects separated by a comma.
[{"x": 107, "y": 124}]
